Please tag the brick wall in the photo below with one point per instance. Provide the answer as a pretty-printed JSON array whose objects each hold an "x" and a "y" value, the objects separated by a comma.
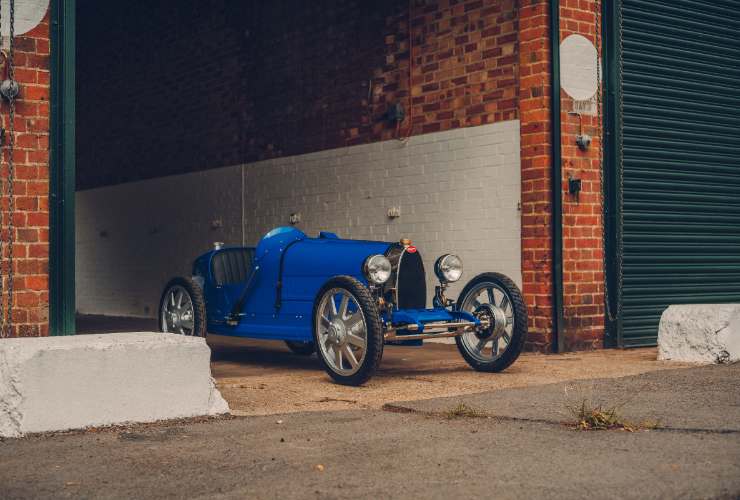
[
  {"x": 190, "y": 87},
  {"x": 31, "y": 187},
  {"x": 534, "y": 109},
  {"x": 463, "y": 66},
  {"x": 583, "y": 272},
  {"x": 582, "y": 220}
]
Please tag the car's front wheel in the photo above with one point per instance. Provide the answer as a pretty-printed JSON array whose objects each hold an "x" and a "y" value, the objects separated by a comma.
[
  {"x": 182, "y": 309},
  {"x": 495, "y": 298},
  {"x": 347, "y": 330}
]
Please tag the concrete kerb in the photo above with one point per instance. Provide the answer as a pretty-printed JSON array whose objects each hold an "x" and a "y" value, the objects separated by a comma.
[
  {"x": 62, "y": 383},
  {"x": 700, "y": 333}
]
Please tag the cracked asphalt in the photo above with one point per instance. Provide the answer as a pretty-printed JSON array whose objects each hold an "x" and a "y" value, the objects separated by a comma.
[{"x": 522, "y": 447}]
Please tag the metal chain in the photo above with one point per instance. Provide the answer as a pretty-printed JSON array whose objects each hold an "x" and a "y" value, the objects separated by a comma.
[
  {"x": 6, "y": 314},
  {"x": 11, "y": 168},
  {"x": 612, "y": 315}
]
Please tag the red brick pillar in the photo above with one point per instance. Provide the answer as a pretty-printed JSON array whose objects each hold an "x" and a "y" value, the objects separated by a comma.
[
  {"x": 583, "y": 276},
  {"x": 31, "y": 217},
  {"x": 534, "y": 113},
  {"x": 583, "y": 272}
]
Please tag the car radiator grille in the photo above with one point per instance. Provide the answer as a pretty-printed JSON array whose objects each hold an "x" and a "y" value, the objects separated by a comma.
[{"x": 409, "y": 278}]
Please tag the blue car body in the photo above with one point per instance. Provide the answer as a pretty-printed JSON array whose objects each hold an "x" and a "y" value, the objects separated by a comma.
[{"x": 273, "y": 288}]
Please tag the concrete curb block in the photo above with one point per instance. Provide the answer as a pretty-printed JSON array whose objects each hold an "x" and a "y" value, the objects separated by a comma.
[
  {"x": 700, "y": 333},
  {"x": 61, "y": 383}
]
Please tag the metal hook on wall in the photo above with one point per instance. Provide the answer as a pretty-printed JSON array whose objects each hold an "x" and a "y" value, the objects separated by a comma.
[{"x": 583, "y": 141}]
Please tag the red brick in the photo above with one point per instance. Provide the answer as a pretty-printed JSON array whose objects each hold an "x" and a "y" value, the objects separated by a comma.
[
  {"x": 37, "y": 282},
  {"x": 31, "y": 248}
]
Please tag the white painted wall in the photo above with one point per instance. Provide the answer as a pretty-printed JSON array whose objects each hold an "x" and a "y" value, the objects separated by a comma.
[
  {"x": 458, "y": 191},
  {"x": 132, "y": 238}
]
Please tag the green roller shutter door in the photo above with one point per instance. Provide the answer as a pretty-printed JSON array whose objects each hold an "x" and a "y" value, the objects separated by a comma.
[{"x": 681, "y": 159}]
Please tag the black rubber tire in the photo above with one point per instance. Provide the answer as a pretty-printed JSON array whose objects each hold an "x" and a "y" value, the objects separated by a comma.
[
  {"x": 374, "y": 330},
  {"x": 301, "y": 348},
  {"x": 200, "y": 328},
  {"x": 519, "y": 335}
]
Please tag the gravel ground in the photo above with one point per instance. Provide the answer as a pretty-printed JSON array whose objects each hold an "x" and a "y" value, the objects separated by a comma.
[{"x": 261, "y": 378}]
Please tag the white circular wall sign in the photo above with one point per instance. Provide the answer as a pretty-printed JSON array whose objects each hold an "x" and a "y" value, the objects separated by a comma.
[
  {"x": 28, "y": 14},
  {"x": 578, "y": 61}
]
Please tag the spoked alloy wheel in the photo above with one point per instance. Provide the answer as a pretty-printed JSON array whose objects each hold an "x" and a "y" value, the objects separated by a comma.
[
  {"x": 182, "y": 309},
  {"x": 495, "y": 298},
  {"x": 347, "y": 331},
  {"x": 342, "y": 331}
]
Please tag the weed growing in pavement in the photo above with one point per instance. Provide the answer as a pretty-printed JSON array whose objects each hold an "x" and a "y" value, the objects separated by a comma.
[
  {"x": 464, "y": 411},
  {"x": 591, "y": 417}
]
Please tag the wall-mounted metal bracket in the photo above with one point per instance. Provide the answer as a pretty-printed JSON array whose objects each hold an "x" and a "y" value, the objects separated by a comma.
[{"x": 583, "y": 141}]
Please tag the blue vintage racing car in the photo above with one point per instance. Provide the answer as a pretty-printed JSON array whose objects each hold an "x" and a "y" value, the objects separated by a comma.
[{"x": 344, "y": 299}]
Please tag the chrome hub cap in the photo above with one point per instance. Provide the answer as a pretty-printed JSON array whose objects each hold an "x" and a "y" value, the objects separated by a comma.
[
  {"x": 490, "y": 302},
  {"x": 341, "y": 331},
  {"x": 337, "y": 332}
]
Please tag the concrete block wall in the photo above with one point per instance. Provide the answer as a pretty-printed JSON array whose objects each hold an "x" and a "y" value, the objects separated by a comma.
[
  {"x": 458, "y": 191},
  {"x": 132, "y": 238}
]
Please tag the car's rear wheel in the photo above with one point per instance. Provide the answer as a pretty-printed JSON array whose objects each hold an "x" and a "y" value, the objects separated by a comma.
[
  {"x": 182, "y": 309},
  {"x": 496, "y": 298},
  {"x": 301, "y": 348},
  {"x": 347, "y": 331}
]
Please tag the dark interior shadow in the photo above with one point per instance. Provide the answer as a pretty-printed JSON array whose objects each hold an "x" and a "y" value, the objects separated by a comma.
[{"x": 274, "y": 355}]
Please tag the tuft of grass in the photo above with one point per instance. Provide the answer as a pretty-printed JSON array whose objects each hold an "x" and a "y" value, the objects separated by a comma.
[
  {"x": 589, "y": 417},
  {"x": 464, "y": 411},
  {"x": 595, "y": 418}
]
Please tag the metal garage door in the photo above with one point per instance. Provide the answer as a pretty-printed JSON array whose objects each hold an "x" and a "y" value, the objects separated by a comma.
[{"x": 681, "y": 185}]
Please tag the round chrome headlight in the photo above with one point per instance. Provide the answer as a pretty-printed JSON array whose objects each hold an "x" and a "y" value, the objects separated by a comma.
[
  {"x": 448, "y": 268},
  {"x": 377, "y": 269}
]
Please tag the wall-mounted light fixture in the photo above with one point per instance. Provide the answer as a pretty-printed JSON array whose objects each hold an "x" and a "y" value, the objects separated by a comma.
[
  {"x": 574, "y": 186},
  {"x": 395, "y": 113}
]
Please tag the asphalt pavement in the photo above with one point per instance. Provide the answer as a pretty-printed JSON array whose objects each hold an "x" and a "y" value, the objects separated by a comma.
[{"x": 513, "y": 443}]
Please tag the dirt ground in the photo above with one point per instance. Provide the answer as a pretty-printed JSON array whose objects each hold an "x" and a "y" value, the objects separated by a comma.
[{"x": 262, "y": 378}]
